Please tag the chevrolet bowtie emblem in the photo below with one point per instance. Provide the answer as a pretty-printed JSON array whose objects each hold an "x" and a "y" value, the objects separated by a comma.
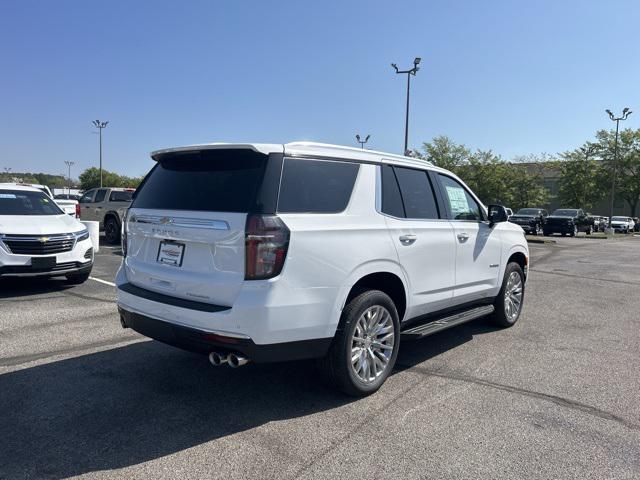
[{"x": 44, "y": 239}]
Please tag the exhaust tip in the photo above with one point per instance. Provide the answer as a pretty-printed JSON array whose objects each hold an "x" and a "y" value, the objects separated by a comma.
[
  {"x": 216, "y": 359},
  {"x": 236, "y": 361}
]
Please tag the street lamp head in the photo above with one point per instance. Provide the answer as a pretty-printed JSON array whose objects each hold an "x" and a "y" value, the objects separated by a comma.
[
  {"x": 367, "y": 139},
  {"x": 625, "y": 110},
  {"x": 395, "y": 67},
  {"x": 358, "y": 138},
  {"x": 610, "y": 114},
  {"x": 417, "y": 61}
]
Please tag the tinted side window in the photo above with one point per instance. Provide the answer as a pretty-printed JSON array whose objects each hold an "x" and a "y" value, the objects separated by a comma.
[
  {"x": 462, "y": 206},
  {"x": 417, "y": 194},
  {"x": 87, "y": 197},
  {"x": 391, "y": 198},
  {"x": 100, "y": 195},
  {"x": 315, "y": 186},
  {"x": 120, "y": 196}
]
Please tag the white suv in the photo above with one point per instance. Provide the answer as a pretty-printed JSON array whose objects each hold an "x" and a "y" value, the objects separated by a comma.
[
  {"x": 38, "y": 239},
  {"x": 260, "y": 252}
]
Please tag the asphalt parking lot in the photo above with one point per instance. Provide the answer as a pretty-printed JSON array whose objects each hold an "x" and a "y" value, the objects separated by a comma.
[{"x": 556, "y": 396}]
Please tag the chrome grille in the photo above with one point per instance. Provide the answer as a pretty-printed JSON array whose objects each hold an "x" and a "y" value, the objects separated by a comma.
[{"x": 39, "y": 245}]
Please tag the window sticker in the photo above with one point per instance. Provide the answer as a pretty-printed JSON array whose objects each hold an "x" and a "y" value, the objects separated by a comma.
[
  {"x": 457, "y": 200},
  {"x": 7, "y": 195}
]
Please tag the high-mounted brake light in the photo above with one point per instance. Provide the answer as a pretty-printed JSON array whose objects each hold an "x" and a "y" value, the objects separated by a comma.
[{"x": 266, "y": 244}]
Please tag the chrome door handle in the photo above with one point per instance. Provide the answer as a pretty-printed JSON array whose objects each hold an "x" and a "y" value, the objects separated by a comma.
[
  {"x": 408, "y": 239},
  {"x": 463, "y": 237}
]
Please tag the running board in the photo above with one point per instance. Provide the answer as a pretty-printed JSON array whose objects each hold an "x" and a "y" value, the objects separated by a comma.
[{"x": 434, "y": 326}]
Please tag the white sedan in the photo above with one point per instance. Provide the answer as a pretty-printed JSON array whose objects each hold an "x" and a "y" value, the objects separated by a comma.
[{"x": 38, "y": 239}]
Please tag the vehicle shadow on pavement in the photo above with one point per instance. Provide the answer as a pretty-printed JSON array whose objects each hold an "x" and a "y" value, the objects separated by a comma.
[
  {"x": 415, "y": 352},
  {"x": 140, "y": 402},
  {"x": 24, "y": 287},
  {"x": 136, "y": 403}
]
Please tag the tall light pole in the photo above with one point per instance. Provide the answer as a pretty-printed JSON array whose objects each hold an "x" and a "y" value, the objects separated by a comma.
[
  {"x": 69, "y": 164},
  {"x": 625, "y": 113},
  {"x": 100, "y": 125},
  {"x": 410, "y": 72},
  {"x": 362, "y": 142}
]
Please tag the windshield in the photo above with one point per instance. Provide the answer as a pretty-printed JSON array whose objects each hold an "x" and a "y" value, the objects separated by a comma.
[
  {"x": 21, "y": 202},
  {"x": 619, "y": 219},
  {"x": 563, "y": 212},
  {"x": 527, "y": 211}
]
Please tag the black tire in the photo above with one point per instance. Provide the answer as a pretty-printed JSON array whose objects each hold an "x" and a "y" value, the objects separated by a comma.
[
  {"x": 500, "y": 316},
  {"x": 335, "y": 368},
  {"x": 574, "y": 231},
  {"x": 588, "y": 232},
  {"x": 112, "y": 231},
  {"x": 546, "y": 234},
  {"x": 78, "y": 278}
]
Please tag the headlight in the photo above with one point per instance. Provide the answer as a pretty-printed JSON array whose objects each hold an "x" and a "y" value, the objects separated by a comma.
[{"x": 82, "y": 235}]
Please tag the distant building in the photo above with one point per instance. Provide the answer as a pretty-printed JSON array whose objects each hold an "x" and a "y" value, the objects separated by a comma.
[{"x": 551, "y": 181}]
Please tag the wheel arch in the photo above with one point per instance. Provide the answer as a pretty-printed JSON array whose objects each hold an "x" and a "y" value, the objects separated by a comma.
[
  {"x": 387, "y": 277},
  {"x": 114, "y": 214}
]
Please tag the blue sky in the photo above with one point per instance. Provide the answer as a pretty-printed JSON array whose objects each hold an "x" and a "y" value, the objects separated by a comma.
[{"x": 513, "y": 76}]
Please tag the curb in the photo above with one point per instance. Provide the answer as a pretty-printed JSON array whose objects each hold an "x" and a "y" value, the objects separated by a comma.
[{"x": 538, "y": 240}]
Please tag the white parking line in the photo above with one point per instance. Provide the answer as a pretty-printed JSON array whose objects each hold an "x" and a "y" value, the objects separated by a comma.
[{"x": 102, "y": 281}]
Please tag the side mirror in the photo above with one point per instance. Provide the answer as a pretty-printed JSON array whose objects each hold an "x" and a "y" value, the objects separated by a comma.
[{"x": 497, "y": 214}]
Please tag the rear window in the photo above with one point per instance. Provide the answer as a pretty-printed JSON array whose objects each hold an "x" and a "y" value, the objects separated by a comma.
[
  {"x": 207, "y": 180},
  {"x": 316, "y": 186},
  {"x": 20, "y": 202},
  {"x": 117, "y": 196}
]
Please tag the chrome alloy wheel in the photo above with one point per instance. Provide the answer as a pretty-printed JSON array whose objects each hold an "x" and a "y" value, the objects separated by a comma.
[
  {"x": 372, "y": 343},
  {"x": 513, "y": 296}
]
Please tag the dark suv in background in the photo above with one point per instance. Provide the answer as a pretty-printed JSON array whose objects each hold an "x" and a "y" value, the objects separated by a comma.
[
  {"x": 531, "y": 220},
  {"x": 568, "y": 221}
]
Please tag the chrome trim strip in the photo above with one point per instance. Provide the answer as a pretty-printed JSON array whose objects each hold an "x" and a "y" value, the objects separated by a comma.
[
  {"x": 50, "y": 238},
  {"x": 180, "y": 222}
]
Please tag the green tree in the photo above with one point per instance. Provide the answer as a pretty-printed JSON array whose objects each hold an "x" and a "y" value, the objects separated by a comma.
[
  {"x": 526, "y": 182},
  {"x": 444, "y": 152},
  {"x": 580, "y": 173},
  {"x": 628, "y": 165},
  {"x": 90, "y": 178},
  {"x": 488, "y": 176}
]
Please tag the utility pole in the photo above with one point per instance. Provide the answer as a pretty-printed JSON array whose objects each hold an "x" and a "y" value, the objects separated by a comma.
[
  {"x": 100, "y": 125},
  {"x": 362, "y": 142},
  {"x": 625, "y": 113},
  {"x": 409, "y": 72},
  {"x": 69, "y": 164}
]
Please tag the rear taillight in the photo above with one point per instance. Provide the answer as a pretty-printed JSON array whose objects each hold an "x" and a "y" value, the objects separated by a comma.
[
  {"x": 123, "y": 235},
  {"x": 77, "y": 210},
  {"x": 266, "y": 244}
]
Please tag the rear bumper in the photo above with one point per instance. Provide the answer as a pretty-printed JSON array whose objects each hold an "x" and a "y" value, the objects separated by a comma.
[{"x": 201, "y": 341}]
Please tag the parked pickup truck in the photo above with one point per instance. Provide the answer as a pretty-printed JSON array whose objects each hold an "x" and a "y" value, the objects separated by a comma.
[
  {"x": 107, "y": 206},
  {"x": 568, "y": 221}
]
